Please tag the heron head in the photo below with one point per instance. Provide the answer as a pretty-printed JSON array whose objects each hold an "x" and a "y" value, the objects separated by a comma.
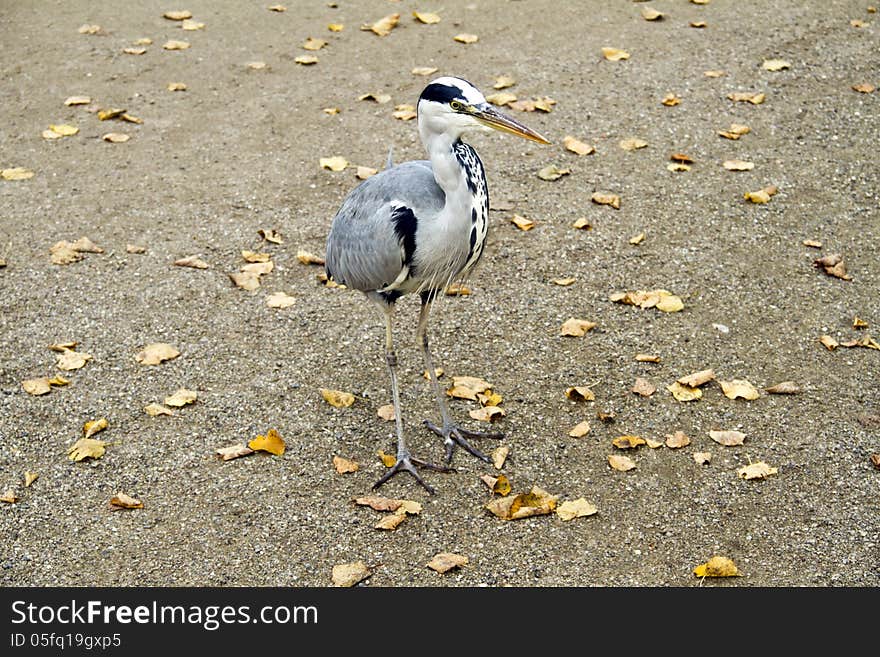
[{"x": 455, "y": 106}]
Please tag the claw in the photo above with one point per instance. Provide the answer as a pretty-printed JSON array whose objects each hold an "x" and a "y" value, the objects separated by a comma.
[
  {"x": 454, "y": 435},
  {"x": 409, "y": 464}
]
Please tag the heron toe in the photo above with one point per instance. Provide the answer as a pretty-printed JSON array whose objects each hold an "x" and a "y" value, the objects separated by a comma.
[
  {"x": 410, "y": 464},
  {"x": 453, "y": 435}
]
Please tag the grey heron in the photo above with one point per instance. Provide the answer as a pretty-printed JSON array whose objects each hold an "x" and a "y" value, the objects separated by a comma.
[{"x": 415, "y": 228}]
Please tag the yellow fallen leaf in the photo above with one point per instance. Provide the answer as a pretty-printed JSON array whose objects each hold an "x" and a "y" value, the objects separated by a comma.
[
  {"x": 344, "y": 465},
  {"x": 335, "y": 163},
  {"x": 727, "y": 438},
  {"x": 582, "y": 223},
  {"x": 179, "y": 15},
  {"x": 828, "y": 342},
  {"x": 637, "y": 239},
  {"x": 784, "y": 388},
  {"x": 77, "y": 100},
  {"x": 16, "y": 173},
  {"x": 503, "y": 82},
  {"x": 677, "y": 440},
  {"x": 191, "y": 25},
  {"x": 443, "y": 562},
  {"x": 735, "y": 131},
  {"x": 383, "y": 26},
  {"x": 110, "y": 113},
  {"x": 64, "y": 129},
  {"x": 576, "y": 146},
  {"x": 457, "y": 290},
  {"x": 628, "y": 442},
  {"x": 175, "y": 44},
  {"x": 272, "y": 442},
  {"x": 653, "y": 444},
  {"x": 63, "y": 346},
  {"x": 552, "y": 172},
  {"x": 388, "y": 460},
  {"x": 246, "y": 280},
  {"x": 864, "y": 88},
  {"x": 89, "y": 29},
  {"x": 258, "y": 66},
  {"x": 363, "y": 173},
  {"x": 258, "y": 268},
  {"x": 747, "y": 97},
  {"x": 280, "y": 300},
  {"x": 669, "y": 303},
  {"x": 738, "y": 165},
  {"x": 9, "y": 496},
  {"x": 739, "y": 388},
  {"x": 647, "y": 358},
  {"x": 426, "y": 17},
  {"x": 86, "y": 448},
  {"x": 487, "y": 413},
  {"x": 697, "y": 379},
  {"x": 72, "y": 360},
  {"x": 424, "y": 70},
  {"x": 580, "y": 393},
  {"x": 717, "y": 567},
  {"x": 233, "y": 452},
  {"x": 36, "y": 387},
  {"x": 499, "y": 456},
  {"x": 502, "y": 98},
  {"x": 386, "y": 412},
  {"x": 620, "y": 462},
  {"x": 633, "y": 144},
  {"x": 859, "y": 323},
  {"x": 181, "y": 397},
  {"x": 643, "y": 387},
  {"x": 29, "y": 478},
  {"x": 337, "y": 398},
  {"x": 580, "y": 430},
  {"x": 277, "y": 8},
  {"x": 405, "y": 112},
  {"x": 702, "y": 458},
  {"x": 670, "y": 100},
  {"x": 714, "y": 73},
  {"x": 651, "y": 14},
  {"x": 134, "y": 50},
  {"x": 603, "y": 198},
  {"x": 563, "y": 282},
  {"x": 684, "y": 393},
  {"x": 157, "y": 409},
  {"x": 614, "y": 54},
  {"x": 522, "y": 223},
  {"x": 306, "y": 60},
  {"x": 349, "y": 574},
  {"x": 499, "y": 485},
  {"x": 759, "y": 470},
  {"x": 123, "y": 501},
  {"x": 698, "y": 24},
  {"x": 92, "y": 427},
  {"x": 464, "y": 37},
  {"x": 390, "y": 521},
  {"x": 775, "y": 64},
  {"x": 176, "y": 86},
  {"x": 314, "y": 44},
  {"x": 579, "y": 508},
  {"x": 155, "y": 353},
  {"x": 535, "y": 502},
  {"x": 574, "y": 327},
  {"x": 116, "y": 137}
]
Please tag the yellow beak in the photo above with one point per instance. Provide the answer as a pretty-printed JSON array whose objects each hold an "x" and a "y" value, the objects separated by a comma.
[{"x": 489, "y": 116}]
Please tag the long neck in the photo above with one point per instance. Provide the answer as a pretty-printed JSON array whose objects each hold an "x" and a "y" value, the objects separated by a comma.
[{"x": 448, "y": 170}]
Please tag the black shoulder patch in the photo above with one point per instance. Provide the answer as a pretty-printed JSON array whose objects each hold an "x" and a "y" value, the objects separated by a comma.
[
  {"x": 441, "y": 93},
  {"x": 405, "y": 224}
]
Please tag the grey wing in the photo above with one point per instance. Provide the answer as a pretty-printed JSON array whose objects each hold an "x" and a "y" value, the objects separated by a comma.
[{"x": 372, "y": 237}]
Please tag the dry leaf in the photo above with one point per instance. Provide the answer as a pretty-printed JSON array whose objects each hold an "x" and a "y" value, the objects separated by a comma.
[
  {"x": 677, "y": 440},
  {"x": 499, "y": 485},
  {"x": 487, "y": 413},
  {"x": 524, "y": 505},
  {"x": 92, "y": 427},
  {"x": 670, "y": 100},
  {"x": 606, "y": 416},
  {"x": 134, "y": 51},
  {"x": 714, "y": 73},
  {"x": 246, "y": 280},
  {"x": 443, "y": 562},
  {"x": 63, "y": 253},
  {"x": 859, "y": 323},
  {"x": 552, "y": 172},
  {"x": 759, "y": 470},
  {"x": 272, "y": 442},
  {"x": 580, "y": 430},
  {"x": 280, "y": 300},
  {"x": 457, "y": 290},
  {"x": 36, "y": 387},
  {"x": 9, "y": 496},
  {"x": 620, "y": 462},
  {"x": 182, "y": 397},
  {"x": 735, "y": 131},
  {"x": 89, "y": 29},
  {"x": 580, "y": 393},
  {"x": 698, "y": 24},
  {"x": 426, "y": 17},
  {"x": 633, "y": 144},
  {"x": 738, "y": 165},
  {"x": 784, "y": 388},
  {"x": 191, "y": 25},
  {"x": 306, "y": 60},
  {"x": 563, "y": 282},
  {"x": 86, "y": 448},
  {"x": 464, "y": 37},
  {"x": 337, "y": 398},
  {"x": 379, "y": 503},
  {"x": 579, "y": 508},
  {"x": 864, "y": 88},
  {"x": 739, "y": 388},
  {"x": 134, "y": 248},
  {"x": 678, "y": 166},
  {"x": 576, "y": 146},
  {"x": 314, "y": 44},
  {"x": 828, "y": 342},
  {"x": 176, "y": 86},
  {"x": 833, "y": 265},
  {"x": 383, "y": 26},
  {"x": 522, "y": 223},
  {"x": 663, "y": 300},
  {"x": 110, "y": 113},
  {"x": 16, "y": 173},
  {"x": 335, "y": 163},
  {"x": 258, "y": 268},
  {"x": 174, "y": 44},
  {"x": 628, "y": 442},
  {"x": 747, "y": 97},
  {"x": 775, "y": 64},
  {"x": 614, "y": 54},
  {"x": 727, "y": 438},
  {"x": 603, "y": 198},
  {"x": 424, "y": 70},
  {"x": 344, "y": 465},
  {"x": 404, "y": 112},
  {"x": 177, "y": 15},
  {"x": 499, "y": 456},
  {"x": 63, "y": 130},
  {"x": 29, "y": 478},
  {"x": 390, "y": 521},
  {"x": 702, "y": 458},
  {"x": 233, "y": 452},
  {"x": 637, "y": 239},
  {"x": 501, "y": 99},
  {"x": 717, "y": 567},
  {"x": 386, "y": 412},
  {"x": 875, "y": 460},
  {"x": 336, "y": 27},
  {"x": 278, "y": 8},
  {"x": 576, "y": 327},
  {"x": 157, "y": 409},
  {"x": 193, "y": 261},
  {"x": 582, "y": 223},
  {"x": 72, "y": 360},
  {"x": 78, "y": 100},
  {"x": 651, "y": 14},
  {"x": 258, "y": 66},
  {"x": 504, "y": 81},
  {"x": 684, "y": 393},
  {"x": 647, "y": 358},
  {"x": 697, "y": 379},
  {"x": 349, "y": 574},
  {"x": 123, "y": 501},
  {"x": 363, "y": 173},
  {"x": 155, "y": 353}
]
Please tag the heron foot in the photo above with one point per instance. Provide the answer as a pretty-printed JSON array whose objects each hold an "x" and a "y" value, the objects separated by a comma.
[
  {"x": 408, "y": 463},
  {"x": 453, "y": 435}
]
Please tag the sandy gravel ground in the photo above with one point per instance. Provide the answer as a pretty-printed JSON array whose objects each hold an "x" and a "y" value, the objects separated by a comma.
[{"x": 238, "y": 152}]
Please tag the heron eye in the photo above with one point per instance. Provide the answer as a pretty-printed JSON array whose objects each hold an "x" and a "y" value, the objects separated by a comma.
[{"x": 457, "y": 106}]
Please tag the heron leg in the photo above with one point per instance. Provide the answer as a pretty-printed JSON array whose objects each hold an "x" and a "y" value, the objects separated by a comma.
[
  {"x": 405, "y": 461},
  {"x": 451, "y": 433}
]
